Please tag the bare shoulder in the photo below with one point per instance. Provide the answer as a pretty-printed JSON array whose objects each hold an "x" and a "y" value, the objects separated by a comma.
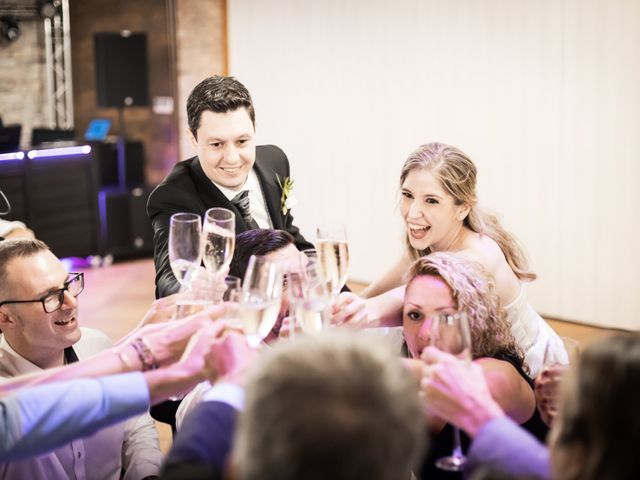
[
  {"x": 500, "y": 374},
  {"x": 484, "y": 250},
  {"x": 508, "y": 388}
]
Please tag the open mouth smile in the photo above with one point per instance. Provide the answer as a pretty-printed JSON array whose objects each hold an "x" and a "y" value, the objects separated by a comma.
[
  {"x": 418, "y": 231},
  {"x": 64, "y": 323}
]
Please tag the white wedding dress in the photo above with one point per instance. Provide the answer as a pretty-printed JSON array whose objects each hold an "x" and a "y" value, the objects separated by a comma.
[{"x": 533, "y": 334}]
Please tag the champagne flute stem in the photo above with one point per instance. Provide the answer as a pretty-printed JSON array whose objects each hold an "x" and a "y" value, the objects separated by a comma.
[{"x": 457, "y": 448}]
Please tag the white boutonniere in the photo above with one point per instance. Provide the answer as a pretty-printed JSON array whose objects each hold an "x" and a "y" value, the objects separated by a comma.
[{"x": 287, "y": 201}]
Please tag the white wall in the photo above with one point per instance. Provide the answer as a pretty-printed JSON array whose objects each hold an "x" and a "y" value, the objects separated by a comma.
[{"x": 544, "y": 95}]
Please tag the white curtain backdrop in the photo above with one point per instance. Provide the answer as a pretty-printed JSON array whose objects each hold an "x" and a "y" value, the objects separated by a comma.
[{"x": 544, "y": 95}]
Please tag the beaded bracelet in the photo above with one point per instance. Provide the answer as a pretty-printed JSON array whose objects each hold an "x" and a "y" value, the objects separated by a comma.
[
  {"x": 145, "y": 355},
  {"x": 147, "y": 359}
]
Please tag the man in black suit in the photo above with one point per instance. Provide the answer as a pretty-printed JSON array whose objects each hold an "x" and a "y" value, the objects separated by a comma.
[{"x": 228, "y": 164}]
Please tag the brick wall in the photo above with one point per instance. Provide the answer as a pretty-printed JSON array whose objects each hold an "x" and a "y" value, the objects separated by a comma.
[{"x": 22, "y": 80}]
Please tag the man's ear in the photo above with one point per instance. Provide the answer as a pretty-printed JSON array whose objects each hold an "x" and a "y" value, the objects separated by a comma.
[
  {"x": 6, "y": 320},
  {"x": 194, "y": 140}
]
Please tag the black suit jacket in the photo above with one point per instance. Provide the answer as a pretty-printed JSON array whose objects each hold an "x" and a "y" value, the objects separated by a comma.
[
  {"x": 202, "y": 446},
  {"x": 188, "y": 189}
]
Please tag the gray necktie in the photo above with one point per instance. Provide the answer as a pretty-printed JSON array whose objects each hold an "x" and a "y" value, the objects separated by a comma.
[{"x": 241, "y": 201}]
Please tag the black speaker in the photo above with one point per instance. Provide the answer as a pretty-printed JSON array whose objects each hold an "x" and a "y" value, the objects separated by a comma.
[
  {"x": 125, "y": 229},
  {"x": 121, "y": 69},
  {"x": 106, "y": 155}
]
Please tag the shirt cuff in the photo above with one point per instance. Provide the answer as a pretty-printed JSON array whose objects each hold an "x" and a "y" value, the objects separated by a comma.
[{"x": 228, "y": 393}]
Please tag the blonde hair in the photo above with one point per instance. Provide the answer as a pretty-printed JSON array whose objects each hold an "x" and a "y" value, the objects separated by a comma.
[
  {"x": 457, "y": 175},
  {"x": 474, "y": 293}
]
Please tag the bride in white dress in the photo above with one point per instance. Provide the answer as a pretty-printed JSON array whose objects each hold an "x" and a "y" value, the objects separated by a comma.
[{"x": 441, "y": 213}]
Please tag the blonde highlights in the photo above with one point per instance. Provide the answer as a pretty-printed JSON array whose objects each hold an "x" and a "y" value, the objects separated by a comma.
[
  {"x": 458, "y": 176},
  {"x": 474, "y": 293}
]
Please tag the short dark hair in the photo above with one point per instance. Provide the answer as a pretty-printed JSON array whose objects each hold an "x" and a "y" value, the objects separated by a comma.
[
  {"x": 218, "y": 94},
  {"x": 337, "y": 405},
  {"x": 260, "y": 241},
  {"x": 10, "y": 249}
]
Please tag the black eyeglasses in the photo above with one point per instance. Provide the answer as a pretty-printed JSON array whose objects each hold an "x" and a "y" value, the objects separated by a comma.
[{"x": 54, "y": 300}]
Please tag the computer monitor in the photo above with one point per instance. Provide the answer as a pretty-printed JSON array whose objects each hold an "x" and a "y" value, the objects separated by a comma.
[
  {"x": 10, "y": 138},
  {"x": 97, "y": 130}
]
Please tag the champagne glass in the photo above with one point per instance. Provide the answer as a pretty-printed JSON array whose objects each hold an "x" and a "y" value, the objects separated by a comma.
[
  {"x": 196, "y": 295},
  {"x": 219, "y": 238},
  {"x": 333, "y": 255},
  {"x": 185, "y": 247},
  {"x": 309, "y": 299},
  {"x": 231, "y": 298},
  {"x": 261, "y": 297},
  {"x": 450, "y": 333},
  {"x": 310, "y": 255}
]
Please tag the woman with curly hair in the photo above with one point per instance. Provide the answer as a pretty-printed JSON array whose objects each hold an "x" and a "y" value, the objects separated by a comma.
[
  {"x": 440, "y": 210},
  {"x": 445, "y": 283}
]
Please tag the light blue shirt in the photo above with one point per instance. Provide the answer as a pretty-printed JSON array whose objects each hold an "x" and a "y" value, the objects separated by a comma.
[
  {"x": 37, "y": 419},
  {"x": 504, "y": 446}
]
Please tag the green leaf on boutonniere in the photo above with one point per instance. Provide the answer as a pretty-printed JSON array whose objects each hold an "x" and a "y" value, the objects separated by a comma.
[{"x": 286, "y": 199}]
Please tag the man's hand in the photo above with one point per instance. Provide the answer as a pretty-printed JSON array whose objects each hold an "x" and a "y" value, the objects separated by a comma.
[
  {"x": 230, "y": 357},
  {"x": 167, "y": 341},
  {"x": 456, "y": 391}
]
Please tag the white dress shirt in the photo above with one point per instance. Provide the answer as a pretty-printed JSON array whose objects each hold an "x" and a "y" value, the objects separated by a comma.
[
  {"x": 257, "y": 203},
  {"x": 228, "y": 393},
  {"x": 132, "y": 445}
]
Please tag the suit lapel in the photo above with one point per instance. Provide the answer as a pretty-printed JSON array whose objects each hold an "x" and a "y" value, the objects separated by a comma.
[{"x": 271, "y": 192}]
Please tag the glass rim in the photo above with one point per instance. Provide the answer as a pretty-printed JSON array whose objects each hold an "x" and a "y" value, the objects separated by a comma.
[
  {"x": 185, "y": 217},
  {"x": 210, "y": 213}
]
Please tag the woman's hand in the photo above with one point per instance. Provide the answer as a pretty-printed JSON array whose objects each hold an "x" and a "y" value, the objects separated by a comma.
[
  {"x": 349, "y": 309},
  {"x": 546, "y": 392},
  {"x": 161, "y": 310}
]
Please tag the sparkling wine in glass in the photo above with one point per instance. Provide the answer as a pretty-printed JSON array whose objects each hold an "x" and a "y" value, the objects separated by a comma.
[
  {"x": 196, "y": 295},
  {"x": 261, "y": 298},
  {"x": 231, "y": 298},
  {"x": 185, "y": 247},
  {"x": 309, "y": 299},
  {"x": 450, "y": 333},
  {"x": 333, "y": 255},
  {"x": 219, "y": 238}
]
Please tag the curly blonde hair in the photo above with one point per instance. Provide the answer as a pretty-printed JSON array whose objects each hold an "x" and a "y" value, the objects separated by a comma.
[
  {"x": 457, "y": 175},
  {"x": 474, "y": 292}
]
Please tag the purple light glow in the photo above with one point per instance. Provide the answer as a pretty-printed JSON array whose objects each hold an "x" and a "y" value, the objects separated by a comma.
[
  {"x": 12, "y": 156},
  {"x": 59, "y": 152}
]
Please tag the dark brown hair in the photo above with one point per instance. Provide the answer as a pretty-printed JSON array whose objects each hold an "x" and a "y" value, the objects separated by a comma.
[{"x": 218, "y": 94}]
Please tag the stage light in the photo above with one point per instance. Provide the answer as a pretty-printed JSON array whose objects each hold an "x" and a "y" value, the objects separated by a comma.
[
  {"x": 48, "y": 8},
  {"x": 9, "y": 28}
]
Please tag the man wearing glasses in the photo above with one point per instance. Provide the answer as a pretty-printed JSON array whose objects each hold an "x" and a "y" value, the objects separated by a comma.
[{"x": 39, "y": 323}]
